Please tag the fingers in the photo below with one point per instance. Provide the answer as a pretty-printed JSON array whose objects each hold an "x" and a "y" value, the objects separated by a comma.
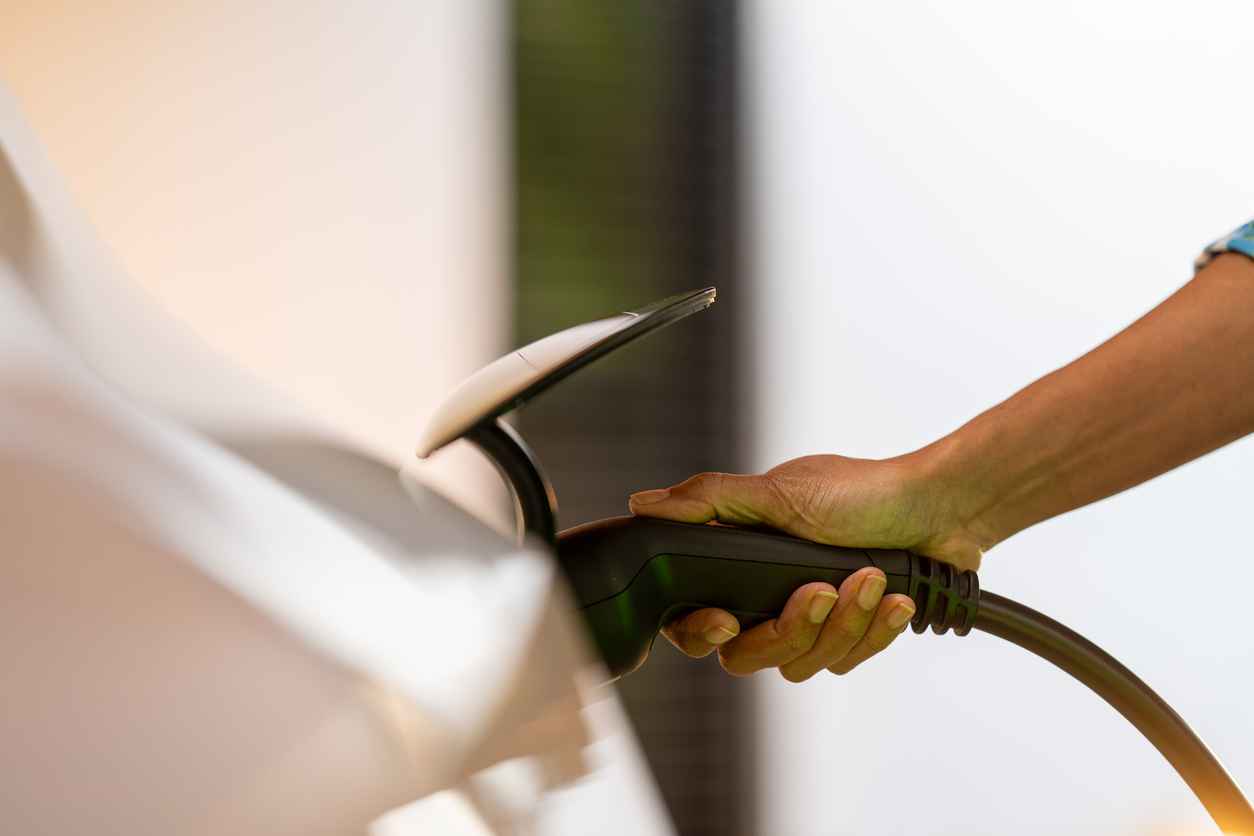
[
  {"x": 726, "y": 497},
  {"x": 698, "y": 633},
  {"x": 820, "y": 627},
  {"x": 890, "y": 621},
  {"x": 864, "y": 623},
  {"x": 780, "y": 640}
]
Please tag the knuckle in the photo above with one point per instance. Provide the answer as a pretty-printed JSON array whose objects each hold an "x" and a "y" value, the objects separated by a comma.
[
  {"x": 795, "y": 674},
  {"x": 790, "y": 510},
  {"x": 851, "y": 630},
  {"x": 798, "y": 642},
  {"x": 880, "y": 642},
  {"x": 707, "y": 482}
]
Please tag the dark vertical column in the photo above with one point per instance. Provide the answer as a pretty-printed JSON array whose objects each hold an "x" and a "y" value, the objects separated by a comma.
[{"x": 626, "y": 173}]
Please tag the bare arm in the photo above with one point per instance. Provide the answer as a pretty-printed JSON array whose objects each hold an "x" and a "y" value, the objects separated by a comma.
[
  {"x": 1176, "y": 384},
  {"x": 1173, "y": 386}
]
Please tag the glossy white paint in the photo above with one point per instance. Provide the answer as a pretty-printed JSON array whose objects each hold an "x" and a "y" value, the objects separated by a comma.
[
  {"x": 505, "y": 378},
  {"x": 317, "y": 191},
  {"x": 525, "y": 372}
]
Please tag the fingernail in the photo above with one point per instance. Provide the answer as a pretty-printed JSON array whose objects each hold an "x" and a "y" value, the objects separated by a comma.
[
  {"x": 900, "y": 615},
  {"x": 719, "y": 635},
  {"x": 870, "y": 591},
  {"x": 649, "y": 497},
  {"x": 820, "y": 605}
]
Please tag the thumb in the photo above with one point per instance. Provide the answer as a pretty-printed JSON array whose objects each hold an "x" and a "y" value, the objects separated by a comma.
[{"x": 725, "y": 497}]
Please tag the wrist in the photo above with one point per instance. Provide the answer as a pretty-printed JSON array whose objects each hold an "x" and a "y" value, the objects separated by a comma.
[{"x": 958, "y": 501}]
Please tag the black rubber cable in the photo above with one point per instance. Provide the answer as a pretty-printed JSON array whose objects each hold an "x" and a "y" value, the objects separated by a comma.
[
  {"x": 1128, "y": 695},
  {"x": 947, "y": 599}
]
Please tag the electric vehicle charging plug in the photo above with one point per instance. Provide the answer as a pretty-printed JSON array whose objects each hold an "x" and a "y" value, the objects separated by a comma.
[{"x": 631, "y": 575}]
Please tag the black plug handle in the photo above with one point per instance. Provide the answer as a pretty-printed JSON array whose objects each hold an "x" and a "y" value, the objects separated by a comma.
[{"x": 632, "y": 575}]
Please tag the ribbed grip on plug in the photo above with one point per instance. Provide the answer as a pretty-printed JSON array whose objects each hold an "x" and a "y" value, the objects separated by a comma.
[{"x": 944, "y": 597}]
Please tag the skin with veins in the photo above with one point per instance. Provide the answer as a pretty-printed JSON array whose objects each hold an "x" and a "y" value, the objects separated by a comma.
[{"x": 1176, "y": 384}]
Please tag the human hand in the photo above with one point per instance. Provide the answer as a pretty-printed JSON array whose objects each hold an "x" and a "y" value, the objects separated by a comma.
[{"x": 828, "y": 499}]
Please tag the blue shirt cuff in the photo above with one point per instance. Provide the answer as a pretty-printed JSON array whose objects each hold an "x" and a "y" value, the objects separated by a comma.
[{"x": 1240, "y": 241}]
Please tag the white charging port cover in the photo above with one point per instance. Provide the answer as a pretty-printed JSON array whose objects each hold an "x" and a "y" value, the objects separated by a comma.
[{"x": 510, "y": 381}]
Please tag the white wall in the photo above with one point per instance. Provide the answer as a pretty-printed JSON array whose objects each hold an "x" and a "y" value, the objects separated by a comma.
[
  {"x": 950, "y": 200},
  {"x": 317, "y": 188}
]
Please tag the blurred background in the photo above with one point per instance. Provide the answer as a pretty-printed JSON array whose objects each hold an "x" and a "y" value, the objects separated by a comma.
[{"x": 910, "y": 211}]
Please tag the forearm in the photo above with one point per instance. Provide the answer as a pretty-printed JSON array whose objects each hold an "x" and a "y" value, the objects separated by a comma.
[{"x": 1173, "y": 386}]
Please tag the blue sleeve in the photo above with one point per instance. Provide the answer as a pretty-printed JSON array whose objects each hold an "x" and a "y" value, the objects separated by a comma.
[{"x": 1240, "y": 241}]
